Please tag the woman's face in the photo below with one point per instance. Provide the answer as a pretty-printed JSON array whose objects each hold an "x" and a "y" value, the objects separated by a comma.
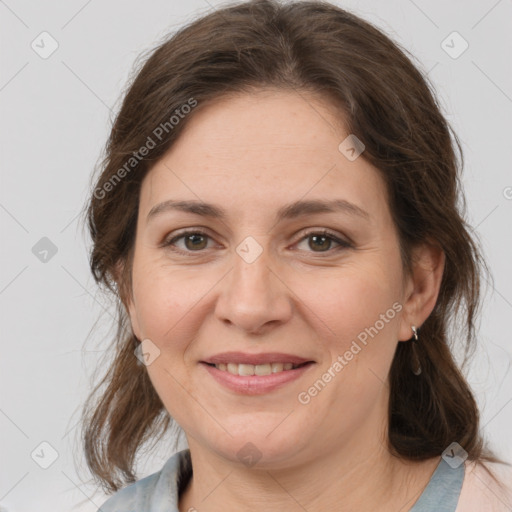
[{"x": 262, "y": 279}]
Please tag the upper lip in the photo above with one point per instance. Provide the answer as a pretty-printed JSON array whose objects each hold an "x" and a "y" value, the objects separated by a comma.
[{"x": 244, "y": 358}]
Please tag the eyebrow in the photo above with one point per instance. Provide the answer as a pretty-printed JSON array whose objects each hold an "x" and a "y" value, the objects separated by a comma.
[{"x": 289, "y": 211}]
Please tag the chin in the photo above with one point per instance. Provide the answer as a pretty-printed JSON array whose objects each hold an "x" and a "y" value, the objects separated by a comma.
[{"x": 258, "y": 449}]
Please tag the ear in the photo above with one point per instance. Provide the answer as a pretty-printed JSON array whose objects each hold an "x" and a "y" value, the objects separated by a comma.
[
  {"x": 126, "y": 296},
  {"x": 421, "y": 288}
]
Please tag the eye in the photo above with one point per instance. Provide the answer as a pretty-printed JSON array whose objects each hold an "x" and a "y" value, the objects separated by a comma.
[
  {"x": 197, "y": 240},
  {"x": 323, "y": 240},
  {"x": 194, "y": 241}
]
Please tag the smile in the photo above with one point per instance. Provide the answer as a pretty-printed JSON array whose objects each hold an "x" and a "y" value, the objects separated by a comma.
[
  {"x": 258, "y": 369},
  {"x": 249, "y": 379}
]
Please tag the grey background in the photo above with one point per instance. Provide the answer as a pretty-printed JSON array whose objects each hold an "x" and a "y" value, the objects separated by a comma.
[{"x": 55, "y": 115}]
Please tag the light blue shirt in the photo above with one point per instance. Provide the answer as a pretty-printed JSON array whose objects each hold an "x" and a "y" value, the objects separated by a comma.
[{"x": 159, "y": 492}]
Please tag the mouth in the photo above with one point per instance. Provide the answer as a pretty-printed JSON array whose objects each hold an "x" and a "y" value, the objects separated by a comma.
[
  {"x": 255, "y": 374},
  {"x": 247, "y": 370}
]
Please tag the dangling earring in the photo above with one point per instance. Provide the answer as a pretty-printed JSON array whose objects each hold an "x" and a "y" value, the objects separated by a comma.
[{"x": 416, "y": 366}]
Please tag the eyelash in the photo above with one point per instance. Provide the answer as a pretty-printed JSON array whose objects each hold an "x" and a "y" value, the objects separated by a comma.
[{"x": 342, "y": 244}]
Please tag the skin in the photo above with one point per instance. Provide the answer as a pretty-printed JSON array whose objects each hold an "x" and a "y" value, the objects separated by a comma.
[{"x": 251, "y": 155}]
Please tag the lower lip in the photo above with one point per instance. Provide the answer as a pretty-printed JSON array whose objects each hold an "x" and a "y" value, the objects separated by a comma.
[{"x": 256, "y": 384}]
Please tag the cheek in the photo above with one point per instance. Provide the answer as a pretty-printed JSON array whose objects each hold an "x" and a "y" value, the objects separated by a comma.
[
  {"x": 356, "y": 319},
  {"x": 355, "y": 316},
  {"x": 163, "y": 299},
  {"x": 347, "y": 302}
]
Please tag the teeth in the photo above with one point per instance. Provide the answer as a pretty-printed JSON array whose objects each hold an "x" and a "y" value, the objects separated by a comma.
[{"x": 254, "y": 369}]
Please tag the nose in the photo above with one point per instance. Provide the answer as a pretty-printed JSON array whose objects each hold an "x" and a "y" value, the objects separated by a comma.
[{"x": 253, "y": 296}]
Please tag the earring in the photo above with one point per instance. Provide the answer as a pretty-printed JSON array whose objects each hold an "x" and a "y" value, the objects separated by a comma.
[{"x": 416, "y": 367}]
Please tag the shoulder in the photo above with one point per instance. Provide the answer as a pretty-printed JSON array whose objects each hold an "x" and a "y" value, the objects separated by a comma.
[
  {"x": 134, "y": 497},
  {"x": 154, "y": 493},
  {"x": 480, "y": 491}
]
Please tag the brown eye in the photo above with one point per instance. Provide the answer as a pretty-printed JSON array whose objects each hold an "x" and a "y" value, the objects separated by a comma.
[
  {"x": 322, "y": 242},
  {"x": 195, "y": 241},
  {"x": 188, "y": 242}
]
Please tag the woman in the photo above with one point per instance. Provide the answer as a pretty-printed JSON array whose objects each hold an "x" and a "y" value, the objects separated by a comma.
[{"x": 278, "y": 214}]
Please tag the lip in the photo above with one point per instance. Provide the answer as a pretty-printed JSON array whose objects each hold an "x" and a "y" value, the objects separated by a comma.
[
  {"x": 256, "y": 384},
  {"x": 245, "y": 358}
]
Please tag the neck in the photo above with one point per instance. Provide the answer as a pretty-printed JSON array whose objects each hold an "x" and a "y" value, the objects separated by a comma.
[{"x": 359, "y": 476}]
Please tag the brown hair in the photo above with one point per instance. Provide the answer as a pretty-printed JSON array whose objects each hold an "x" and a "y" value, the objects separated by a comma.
[{"x": 387, "y": 103}]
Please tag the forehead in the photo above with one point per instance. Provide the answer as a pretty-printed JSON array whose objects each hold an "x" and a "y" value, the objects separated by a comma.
[{"x": 252, "y": 151}]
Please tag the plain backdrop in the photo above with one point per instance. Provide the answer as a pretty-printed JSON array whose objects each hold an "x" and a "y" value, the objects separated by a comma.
[{"x": 55, "y": 118}]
